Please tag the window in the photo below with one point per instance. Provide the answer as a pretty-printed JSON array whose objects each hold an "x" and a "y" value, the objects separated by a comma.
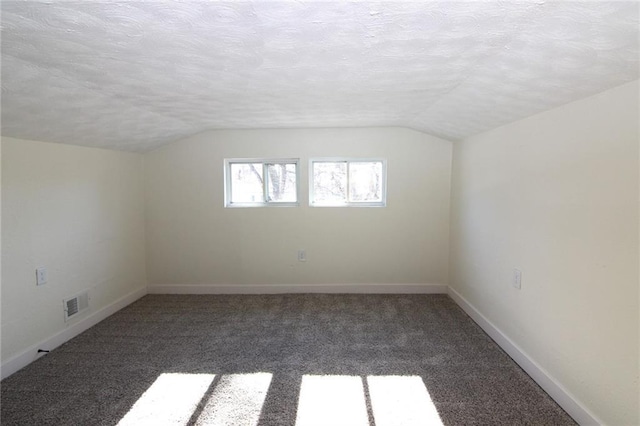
[
  {"x": 347, "y": 182},
  {"x": 261, "y": 182}
]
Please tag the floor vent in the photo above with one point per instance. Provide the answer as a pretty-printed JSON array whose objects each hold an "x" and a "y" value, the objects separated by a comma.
[{"x": 75, "y": 305}]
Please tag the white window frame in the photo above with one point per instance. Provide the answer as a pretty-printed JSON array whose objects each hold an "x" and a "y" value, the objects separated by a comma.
[
  {"x": 265, "y": 185},
  {"x": 349, "y": 160}
]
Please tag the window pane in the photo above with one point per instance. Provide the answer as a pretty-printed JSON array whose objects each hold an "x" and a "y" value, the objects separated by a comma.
[
  {"x": 282, "y": 182},
  {"x": 365, "y": 181},
  {"x": 329, "y": 182},
  {"x": 246, "y": 183}
]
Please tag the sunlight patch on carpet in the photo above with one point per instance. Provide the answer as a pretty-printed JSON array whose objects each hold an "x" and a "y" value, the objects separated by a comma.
[
  {"x": 170, "y": 400},
  {"x": 332, "y": 400},
  {"x": 237, "y": 399},
  {"x": 401, "y": 400}
]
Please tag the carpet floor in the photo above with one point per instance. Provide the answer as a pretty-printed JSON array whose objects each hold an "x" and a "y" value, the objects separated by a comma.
[{"x": 279, "y": 360}]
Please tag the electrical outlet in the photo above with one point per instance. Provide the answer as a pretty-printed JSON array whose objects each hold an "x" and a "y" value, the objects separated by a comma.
[
  {"x": 41, "y": 276},
  {"x": 302, "y": 255},
  {"x": 517, "y": 279}
]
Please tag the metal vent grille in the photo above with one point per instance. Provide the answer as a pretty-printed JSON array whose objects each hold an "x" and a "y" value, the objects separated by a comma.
[
  {"x": 75, "y": 305},
  {"x": 72, "y": 307}
]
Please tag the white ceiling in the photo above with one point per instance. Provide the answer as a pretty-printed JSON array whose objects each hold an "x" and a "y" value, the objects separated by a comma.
[{"x": 136, "y": 75}]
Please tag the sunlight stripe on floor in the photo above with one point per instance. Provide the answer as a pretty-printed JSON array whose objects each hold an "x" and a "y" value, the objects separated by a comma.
[
  {"x": 170, "y": 400},
  {"x": 331, "y": 400},
  {"x": 401, "y": 400},
  {"x": 237, "y": 399}
]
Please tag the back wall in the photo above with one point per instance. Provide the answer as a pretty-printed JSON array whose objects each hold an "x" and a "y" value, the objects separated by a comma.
[{"x": 194, "y": 243}]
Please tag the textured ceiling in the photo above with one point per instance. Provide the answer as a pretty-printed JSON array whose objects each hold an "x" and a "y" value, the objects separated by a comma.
[{"x": 135, "y": 75}]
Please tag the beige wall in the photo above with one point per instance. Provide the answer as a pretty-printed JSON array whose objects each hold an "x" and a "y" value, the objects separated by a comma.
[
  {"x": 79, "y": 213},
  {"x": 193, "y": 239},
  {"x": 556, "y": 195}
]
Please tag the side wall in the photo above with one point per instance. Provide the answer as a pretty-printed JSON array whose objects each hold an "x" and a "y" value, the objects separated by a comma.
[
  {"x": 79, "y": 213},
  {"x": 556, "y": 196},
  {"x": 195, "y": 244}
]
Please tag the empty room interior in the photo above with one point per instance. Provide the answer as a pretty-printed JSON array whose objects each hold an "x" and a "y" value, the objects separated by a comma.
[{"x": 320, "y": 213}]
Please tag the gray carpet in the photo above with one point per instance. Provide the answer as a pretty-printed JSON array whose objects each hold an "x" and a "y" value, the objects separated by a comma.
[{"x": 97, "y": 377}]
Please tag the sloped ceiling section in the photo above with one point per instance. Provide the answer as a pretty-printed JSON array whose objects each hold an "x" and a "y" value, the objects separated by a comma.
[{"x": 136, "y": 75}]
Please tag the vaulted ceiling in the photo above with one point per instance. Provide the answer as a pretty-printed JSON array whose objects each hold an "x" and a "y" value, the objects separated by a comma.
[{"x": 136, "y": 75}]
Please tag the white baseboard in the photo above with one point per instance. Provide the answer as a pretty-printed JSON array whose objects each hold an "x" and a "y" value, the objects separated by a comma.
[
  {"x": 299, "y": 288},
  {"x": 562, "y": 396},
  {"x": 31, "y": 354}
]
